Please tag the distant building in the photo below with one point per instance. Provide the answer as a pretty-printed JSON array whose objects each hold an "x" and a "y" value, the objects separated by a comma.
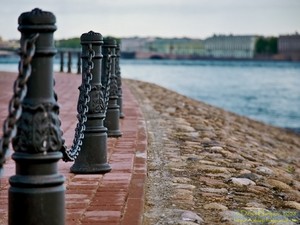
[
  {"x": 134, "y": 44},
  {"x": 230, "y": 46},
  {"x": 289, "y": 46},
  {"x": 11, "y": 44},
  {"x": 130, "y": 46},
  {"x": 217, "y": 46},
  {"x": 175, "y": 48},
  {"x": 7, "y": 48}
]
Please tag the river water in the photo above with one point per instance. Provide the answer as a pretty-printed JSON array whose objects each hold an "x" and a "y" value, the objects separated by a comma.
[{"x": 264, "y": 91}]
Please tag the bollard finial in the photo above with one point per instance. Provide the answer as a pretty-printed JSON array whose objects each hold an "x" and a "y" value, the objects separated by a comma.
[
  {"x": 91, "y": 38},
  {"x": 37, "y": 19}
]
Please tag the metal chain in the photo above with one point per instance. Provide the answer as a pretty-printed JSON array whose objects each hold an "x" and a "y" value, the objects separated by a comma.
[
  {"x": 85, "y": 88},
  {"x": 27, "y": 51}
]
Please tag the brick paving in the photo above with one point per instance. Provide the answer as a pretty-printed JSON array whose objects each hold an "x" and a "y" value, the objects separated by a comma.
[{"x": 114, "y": 198}]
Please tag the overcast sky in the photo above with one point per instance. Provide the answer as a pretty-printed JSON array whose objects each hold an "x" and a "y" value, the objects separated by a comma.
[{"x": 164, "y": 18}]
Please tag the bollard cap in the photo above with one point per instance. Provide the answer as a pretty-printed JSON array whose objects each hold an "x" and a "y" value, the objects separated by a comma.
[
  {"x": 110, "y": 42},
  {"x": 37, "y": 19},
  {"x": 91, "y": 37},
  {"x": 118, "y": 45}
]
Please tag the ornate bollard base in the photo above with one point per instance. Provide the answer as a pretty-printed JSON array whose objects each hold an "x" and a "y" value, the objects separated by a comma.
[
  {"x": 91, "y": 169},
  {"x": 30, "y": 210},
  {"x": 37, "y": 191},
  {"x": 112, "y": 119},
  {"x": 120, "y": 104},
  {"x": 93, "y": 161}
]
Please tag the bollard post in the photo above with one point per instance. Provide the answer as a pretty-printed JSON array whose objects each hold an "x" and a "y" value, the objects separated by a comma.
[
  {"x": 78, "y": 63},
  {"x": 36, "y": 194},
  {"x": 61, "y": 61},
  {"x": 69, "y": 62},
  {"x": 111, "y": 121},
  {"x": 119, "y": 81},
  {"x": 93, "y": 154}
]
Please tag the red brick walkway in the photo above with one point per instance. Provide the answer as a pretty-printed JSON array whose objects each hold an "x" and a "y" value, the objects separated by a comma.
[{"x": 114, "y": 198}]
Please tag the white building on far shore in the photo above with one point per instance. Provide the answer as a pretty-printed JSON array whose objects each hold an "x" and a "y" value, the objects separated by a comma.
[
  {"x": 230, "y": 46},
  {"x": 217, "y": 46}
]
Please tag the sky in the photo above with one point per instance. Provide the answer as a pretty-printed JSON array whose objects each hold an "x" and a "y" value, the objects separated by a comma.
[{"x": 158, "y": 18}]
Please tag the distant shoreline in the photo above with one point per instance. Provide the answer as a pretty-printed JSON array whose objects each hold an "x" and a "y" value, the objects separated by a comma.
[
  {"x": 157, "y": 56},
  {"x": 13, "y": 56}
]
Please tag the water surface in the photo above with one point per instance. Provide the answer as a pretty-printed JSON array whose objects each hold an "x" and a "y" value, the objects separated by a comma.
[{"x": 263, "y": 90}]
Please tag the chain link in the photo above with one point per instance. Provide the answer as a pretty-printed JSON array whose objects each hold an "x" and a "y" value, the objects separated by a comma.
[
  {"x": 85, "y": 88},
  {"x": 27, "y": 51}
]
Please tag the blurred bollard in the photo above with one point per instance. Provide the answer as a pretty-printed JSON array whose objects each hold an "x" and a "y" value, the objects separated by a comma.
[
  {"x": 112, "y": 116},
  {"x": 119, "y": 81},
  {"x": 69, "y": 62},
  {"x": 78, "y": 62},
  {"x": 61, "y": 61}
]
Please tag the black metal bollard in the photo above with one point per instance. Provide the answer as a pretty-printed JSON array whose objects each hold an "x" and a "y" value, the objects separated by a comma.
[
  {"x": 78, "y": 63},
  {"x": 36, "y": 195},
  {"x": 111, "y": 121},
  {"x": 61, "y": 61},
  {"x": 93, "y": 154},
  {"x": 119, "y": 81},
  {"x": 69, "y": 62}
]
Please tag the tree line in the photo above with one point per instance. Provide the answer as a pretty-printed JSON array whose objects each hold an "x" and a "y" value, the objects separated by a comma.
[
  {"x": 74, "y": 42},
  {"x": 266, "y": 45}
]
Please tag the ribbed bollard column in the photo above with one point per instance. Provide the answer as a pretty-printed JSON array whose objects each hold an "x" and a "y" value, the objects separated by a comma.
[
  {"x": 119, "y": 81},
  {"x": 93, "y": 155},
  {"x": 36, "y": 195},
  {"x": 113, "y": 113}
]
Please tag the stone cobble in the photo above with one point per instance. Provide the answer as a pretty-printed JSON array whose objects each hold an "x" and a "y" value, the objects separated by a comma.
[{"x": 210, "y": 166}]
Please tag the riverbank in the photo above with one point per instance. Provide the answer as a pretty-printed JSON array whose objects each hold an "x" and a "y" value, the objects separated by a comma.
[{"x": 206, "y": 164}]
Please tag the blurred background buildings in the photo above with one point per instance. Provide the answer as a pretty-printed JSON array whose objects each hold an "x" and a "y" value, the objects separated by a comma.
[{"x": 283, "y": 47}]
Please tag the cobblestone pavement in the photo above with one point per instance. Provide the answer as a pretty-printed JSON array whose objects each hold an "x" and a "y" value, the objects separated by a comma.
[{"x": 209, "y": 166}]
